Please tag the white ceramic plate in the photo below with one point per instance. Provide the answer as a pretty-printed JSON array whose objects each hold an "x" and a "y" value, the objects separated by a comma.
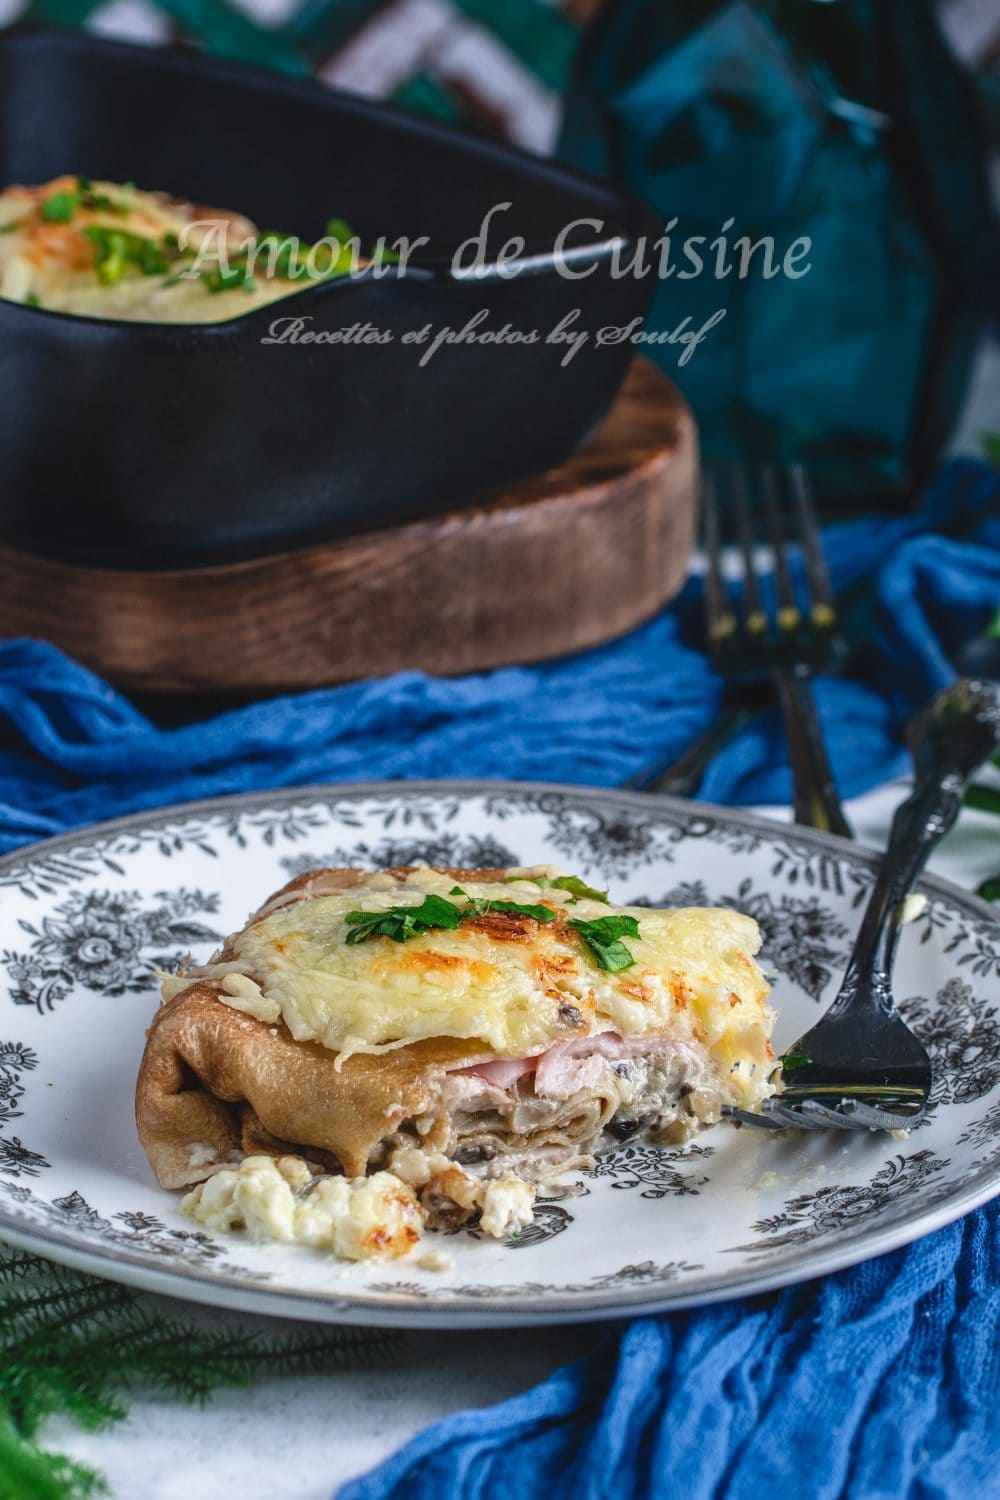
[{"x": 85, "y": 918}]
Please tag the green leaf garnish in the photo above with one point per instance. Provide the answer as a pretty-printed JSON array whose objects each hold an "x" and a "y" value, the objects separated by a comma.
[
  {"x": 478, "y": 907},
  {"x": 602, "y": 938},
  {"x": 579, "y": 888},
  {"x": 280, "y": 251},
  {"x": 237, "y": 277},
  {"x": 403, "y": 922},
  {"x": 339, "y": 230},
  {"x": 60, "y": 207},
  {"x": 111, "y": 258},
  {"x": 9, "y": 228},
  {"x": 791, "y": 1060},
  {"x": 572, "y": 883},
  {"x": 89, "y": 199},
  {"x": 32, "y": 300},
  {"x": 456, "y": 890},
  {"x": 116, "y": 251}
]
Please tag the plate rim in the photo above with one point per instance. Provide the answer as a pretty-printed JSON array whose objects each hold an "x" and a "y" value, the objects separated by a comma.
[
  {"x": 199, "y": 1284},
  {"x": 158, "y": 814}
]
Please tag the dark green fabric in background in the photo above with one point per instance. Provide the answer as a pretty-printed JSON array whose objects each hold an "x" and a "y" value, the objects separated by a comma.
[{"x": 847, "y": 122}]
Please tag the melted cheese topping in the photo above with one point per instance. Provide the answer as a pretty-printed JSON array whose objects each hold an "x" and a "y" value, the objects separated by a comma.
[
  {"x": 514, "y": 984},
  {"x": 53, "y": 264}
]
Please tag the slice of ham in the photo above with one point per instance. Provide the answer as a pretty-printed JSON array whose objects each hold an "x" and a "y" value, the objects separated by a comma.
[
  {"x": 568, "y": 1066},
  {"x": 503, "y": 1072}
]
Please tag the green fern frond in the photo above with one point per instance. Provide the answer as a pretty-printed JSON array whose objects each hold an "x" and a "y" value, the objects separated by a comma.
[
  {"x": 73, "y": 1343},
  {"x": 29, "y": 1473},
  {"x": 16, "y": 1265}
]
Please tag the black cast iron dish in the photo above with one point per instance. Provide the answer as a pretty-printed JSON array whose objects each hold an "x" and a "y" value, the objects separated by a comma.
[{"x": 148, "y": 445}]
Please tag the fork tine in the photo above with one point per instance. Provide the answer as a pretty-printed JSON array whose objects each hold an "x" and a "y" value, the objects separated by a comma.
[
  {"x": 870, "y": 1117},
  {"x": 788, "y": 616},
  {"x": 754, "y": 616},
  {"x": 809, "y": 1114},
  {"x": 822, "y": 609},
  {"x": 746, "y": 1117},
  {"x": 838, "y": 1118},
  {"x": 720, "y": 621},
  {"x": 790, "y": 1115}
]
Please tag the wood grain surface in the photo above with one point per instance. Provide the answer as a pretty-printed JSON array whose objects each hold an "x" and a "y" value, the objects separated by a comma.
[{"x": 559, "y": 562}]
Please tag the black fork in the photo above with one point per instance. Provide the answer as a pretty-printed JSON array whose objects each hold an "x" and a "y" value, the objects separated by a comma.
[
  {"x": 861, "y": 1067},
  {"x": 789, "y": 642}
]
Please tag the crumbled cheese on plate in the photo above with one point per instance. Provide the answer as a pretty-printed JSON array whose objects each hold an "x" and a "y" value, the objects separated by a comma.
[
  {"x": 362, "y": 1218},
  {"x": 359, "y": 1218}
]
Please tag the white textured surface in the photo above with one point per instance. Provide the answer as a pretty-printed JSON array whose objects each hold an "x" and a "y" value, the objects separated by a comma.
[{"x": 301, "y": 1438}]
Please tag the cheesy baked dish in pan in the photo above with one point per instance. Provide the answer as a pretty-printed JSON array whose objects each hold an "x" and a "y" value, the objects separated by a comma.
[
  {"x": 107, "y": 250},
  {"x": 376, "y": 1053}
]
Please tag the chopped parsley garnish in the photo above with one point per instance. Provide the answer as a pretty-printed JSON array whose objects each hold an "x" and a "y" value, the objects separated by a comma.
[
  {"x": 111, "y": 254},
  {"x": 478, "y": 907},
  {"x": 286, "y": 257},
  {"x": 280, "y": 252},
  {"x": 791, "y": 1060},
  {"x": 60, "y": 207},
  {"x": 578, "y": 889},
  {"x": 238, "y": 276},
  {"x": 90, "y": 199},
  {"x": 602, "y": 938},
  {"x": 9, "y": 228},
  {"x": 116, "y": 251},
  {"x": 31, "y": 300},
  {"x": 403, "y": 922}
]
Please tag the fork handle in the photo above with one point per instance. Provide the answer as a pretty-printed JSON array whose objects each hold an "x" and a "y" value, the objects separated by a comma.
[
  {"x": 918, "y": 824},
  {"x": 958, "y": 731},
  {"x": 816, "y": 800}
]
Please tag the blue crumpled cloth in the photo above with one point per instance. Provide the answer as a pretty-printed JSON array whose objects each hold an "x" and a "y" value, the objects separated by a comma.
[{"x": 878, "y": 1383}]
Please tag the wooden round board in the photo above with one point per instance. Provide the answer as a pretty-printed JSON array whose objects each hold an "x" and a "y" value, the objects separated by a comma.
[{"x": 556, "y": 563}]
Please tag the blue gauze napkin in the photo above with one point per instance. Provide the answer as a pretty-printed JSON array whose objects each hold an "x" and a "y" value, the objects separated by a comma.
[{"x": 877, "y": 1382}]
